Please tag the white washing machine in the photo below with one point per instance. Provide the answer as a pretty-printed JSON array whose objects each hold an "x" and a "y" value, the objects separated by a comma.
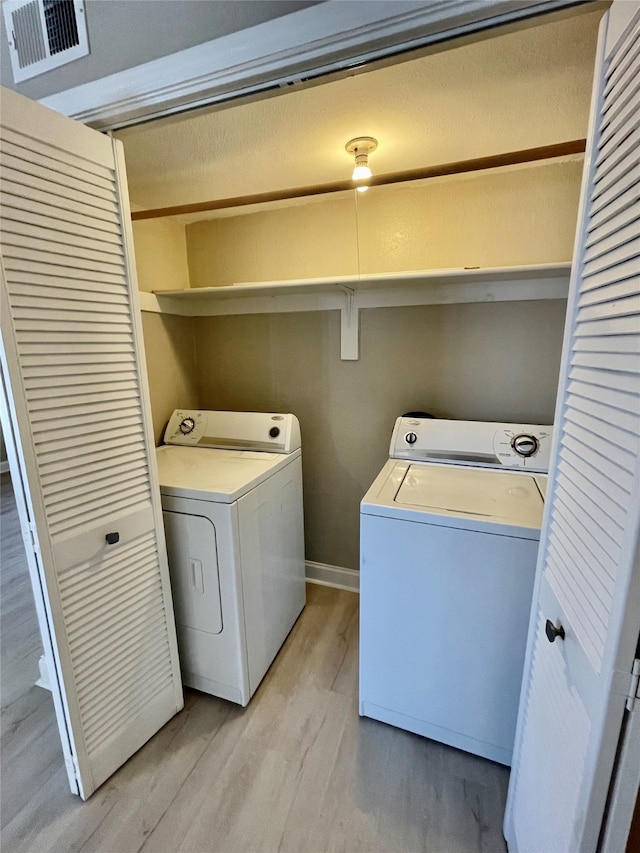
[
  {"x": 231, "y": 487},
  {"x": 449, "y": 540}
]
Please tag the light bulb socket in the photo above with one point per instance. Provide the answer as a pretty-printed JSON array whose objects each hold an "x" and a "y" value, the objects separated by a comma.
[{"x": 361, "y": 147}]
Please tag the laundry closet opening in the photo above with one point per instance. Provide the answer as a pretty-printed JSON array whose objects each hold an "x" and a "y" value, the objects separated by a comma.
[{"x": 476, "y": 349}]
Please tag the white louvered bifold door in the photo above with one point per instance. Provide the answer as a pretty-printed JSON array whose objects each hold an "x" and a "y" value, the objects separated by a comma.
[
  {"x": 588, "y": 579},
  {"x": 72, "y": 353}
]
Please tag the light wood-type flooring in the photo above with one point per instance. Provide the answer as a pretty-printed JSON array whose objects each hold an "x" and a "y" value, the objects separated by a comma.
[{"x": 297, "y": 770}]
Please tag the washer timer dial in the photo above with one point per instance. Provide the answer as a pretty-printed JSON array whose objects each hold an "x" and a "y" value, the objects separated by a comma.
[
  {"x": 187, "y": 425},
  {"x": 525, "y": 445}
]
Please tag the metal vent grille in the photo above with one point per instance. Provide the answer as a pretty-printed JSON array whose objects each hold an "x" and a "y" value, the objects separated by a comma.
[
  {"x": 27, "y": 30},
  {"x": 62, "y": 30},
  {"x": 44, "y": 34}
]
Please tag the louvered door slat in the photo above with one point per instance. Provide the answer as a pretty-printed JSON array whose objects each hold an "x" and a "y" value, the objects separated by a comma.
[
  {"x": 624, "y": 275},
  {"x": 612, "y": 495},
  {"x": 57, "y": 230},
  {"x": 626, "y": 119},
  {"x": 600, "y": 442},
  {"x": 617, "y": 188},
  {"x": 56, "y": 158},
  {"x": 58, "y": 416},
  {"x": 82, "y": 371},
  {"x": 599, "y": 242},
  {"x": 91, "y": 343},
  {"x": 628, "y": 199},
  {"x": 571, "y": 476},
  {"x": 610, "y": 174},
  {"x": 64, "y": 497},
  {"x": 609, "y": 344},
  {"x": 604, "y": 326},
  {"x": 109, "y": 588},
  {"x": 568, "y": 584},
  {"x": 615, "y": 256},
  {"x": 13, "y": 205},
  {"x": 120, "y": 467},
  {"x": 44, "y": 252},
  {"x": 100, "y": 272},
  {"x": 100, "y": 357},
  {"x": 71, "y": 298},
  {"x": 605, "y": 361},
  {"x": 70, "y": 316},
  {"x": 29, "y": 152},
  {"x": 620, "y": 401},
  {"x": 113, "y": 464},
  {"x": 67, "y": 242},
  {"x": 628, "y": 57},
  {"x": 624, "y": 93},
  {"x": 616, "y": 150},
  {"x": 597, "y": 541},
  {"x": 611, "y": 303},
  {"x": 69, "y": 304},
  {"x": 34, "y": 168},
  {"x": 59, "y": 205},
  {"x": 605, "y": 379},
  {"x": 593, "y": 595},
  {"x": 43, "y": 189}
]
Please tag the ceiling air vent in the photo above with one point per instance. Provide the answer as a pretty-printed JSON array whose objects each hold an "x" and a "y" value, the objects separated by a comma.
[{"x": 44, "y": 34}]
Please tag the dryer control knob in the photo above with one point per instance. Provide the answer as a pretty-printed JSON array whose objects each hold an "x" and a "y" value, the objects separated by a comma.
[
  {"x": 525, "y": 445},
  {"x": 187, "y": 425},
  {"x": 411, "y": 438},
  {"x": 274, "y": 432}
]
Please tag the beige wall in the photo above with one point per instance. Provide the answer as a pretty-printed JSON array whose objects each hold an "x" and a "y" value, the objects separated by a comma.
[
  {"x": 486, "y": 361},
  {"x": 480, "y": 361},
  {"x": 516, "y": 216},
  {"x": 161, "y": 264},
  {"x": 161, "y": 254},
  {"x": 171, "y": 367}
]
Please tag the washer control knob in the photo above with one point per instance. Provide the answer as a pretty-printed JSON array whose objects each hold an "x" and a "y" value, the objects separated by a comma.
[
  {"x": 187, "y": 425},
  {"x": 411, "y": 438},
  {"x": 274, "y": 432},
  {"x": 525, "y": 445}
]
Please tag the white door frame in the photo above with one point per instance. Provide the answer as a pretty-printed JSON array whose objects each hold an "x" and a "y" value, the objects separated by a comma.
[{"x": 328, "y": 38}]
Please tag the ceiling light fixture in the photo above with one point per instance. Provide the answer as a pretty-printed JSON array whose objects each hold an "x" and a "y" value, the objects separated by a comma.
[{"x": 361, "y": 147}]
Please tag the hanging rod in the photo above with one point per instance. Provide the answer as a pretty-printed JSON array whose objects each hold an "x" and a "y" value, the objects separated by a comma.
[{"x": 511, "y": 158}]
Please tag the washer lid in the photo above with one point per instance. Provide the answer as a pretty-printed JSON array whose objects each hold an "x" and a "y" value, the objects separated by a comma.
[
  {"x": 222, "y": 476},
  {"x": 482, "y": 494}
]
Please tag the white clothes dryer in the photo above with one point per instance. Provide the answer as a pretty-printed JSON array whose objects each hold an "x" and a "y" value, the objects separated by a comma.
[
  {"x": 449, "y": 540},
  {"x": 231, "y": 487}
]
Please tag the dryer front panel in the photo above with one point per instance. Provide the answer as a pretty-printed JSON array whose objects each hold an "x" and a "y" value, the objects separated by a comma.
[{"x": 193, "y": 563}]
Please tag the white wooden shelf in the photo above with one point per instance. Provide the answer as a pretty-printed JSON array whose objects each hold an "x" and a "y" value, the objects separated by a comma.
[{"x": 348, "y": 294}]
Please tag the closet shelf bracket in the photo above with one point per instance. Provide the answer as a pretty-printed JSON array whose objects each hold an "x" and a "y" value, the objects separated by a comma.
[{"x": 349, "y": 325}]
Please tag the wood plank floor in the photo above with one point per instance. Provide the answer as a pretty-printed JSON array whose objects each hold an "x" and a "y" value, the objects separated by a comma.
[{"x": 297, "y": 770}]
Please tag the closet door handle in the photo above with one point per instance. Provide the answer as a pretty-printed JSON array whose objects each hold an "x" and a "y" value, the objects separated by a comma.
[
  {"x": 553, "y": 632},
  {"x": 112, "y": 538}
]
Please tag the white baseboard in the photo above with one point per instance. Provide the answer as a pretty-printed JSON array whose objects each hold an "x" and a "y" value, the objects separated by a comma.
[
  {"x": 4, "y": 467},
  {"x": 334, "y": 576}
]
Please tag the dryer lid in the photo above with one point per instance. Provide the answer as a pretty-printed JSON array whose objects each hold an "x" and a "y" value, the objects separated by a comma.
[
  {"x": 478, "y": 493},
  {"x": 222, "y": 476}
]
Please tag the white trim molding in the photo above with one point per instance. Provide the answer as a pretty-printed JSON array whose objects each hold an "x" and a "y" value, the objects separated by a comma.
[
  {"x": 335, "y": 576},
  {"x": 330, "y": 37}
]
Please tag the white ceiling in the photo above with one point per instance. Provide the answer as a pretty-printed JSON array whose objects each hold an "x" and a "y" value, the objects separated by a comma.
[{"x": 510, "y": 91}]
